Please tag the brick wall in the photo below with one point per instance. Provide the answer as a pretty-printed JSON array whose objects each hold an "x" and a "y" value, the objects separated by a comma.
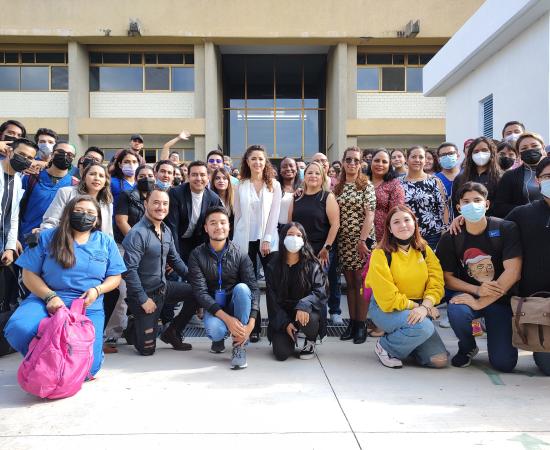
[
  {"x": 34, "y": 104},
  {"x": 399, "y": 105},
  {"x": 142, "y": 104}
]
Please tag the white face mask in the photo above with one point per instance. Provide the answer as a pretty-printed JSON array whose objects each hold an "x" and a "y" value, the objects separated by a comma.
[
  {"x": 481, "y": 158},
  {"x": 293, "y": 244},
  {"x": 512, "y": 137}
]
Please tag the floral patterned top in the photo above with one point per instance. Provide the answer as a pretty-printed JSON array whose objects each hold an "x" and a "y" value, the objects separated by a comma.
[
  {"x": 427, "y": 203},
  {"x": 388, "y": 194}
]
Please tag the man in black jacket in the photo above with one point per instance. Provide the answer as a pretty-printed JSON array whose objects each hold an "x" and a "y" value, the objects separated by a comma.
[
  {"x": 188, "y": 205},
  {"x": 224, "y": 285}
]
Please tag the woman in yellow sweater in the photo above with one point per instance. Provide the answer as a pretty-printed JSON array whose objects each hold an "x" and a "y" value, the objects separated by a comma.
[{"x": 407, "y": 282}]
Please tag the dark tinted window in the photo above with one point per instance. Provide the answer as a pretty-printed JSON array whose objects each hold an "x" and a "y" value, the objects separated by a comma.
[
  {"x": 60, "y": 78},
  {"x": 157, "y": 78},
  {"x": 135, "y": 58},
  {"x": 50, "y": 58},
  {"x": 393, "y": 78},
  {"x": 12, "y": 58},
  {"x": 379, "y": 59},
  {"x": 170, "y": 58},
  {"x": 115, "y": 58},
  {"x": 27, "y": 57}
]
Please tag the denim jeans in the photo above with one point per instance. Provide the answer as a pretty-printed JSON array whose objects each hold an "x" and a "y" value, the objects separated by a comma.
[
  {"x": 284, "y": 346},
  {"x": 498, "y": 320},
  {"x": 239, "y": 307},
  {"x": 23, "y": 326},
  {"x": 334, "y": 283},
  {"x": 542, "y": 360},
  {"x": 420, "y": 340}
]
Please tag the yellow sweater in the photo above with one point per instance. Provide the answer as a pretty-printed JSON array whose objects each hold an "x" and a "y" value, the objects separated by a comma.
[{"x": 409, "y": 278}]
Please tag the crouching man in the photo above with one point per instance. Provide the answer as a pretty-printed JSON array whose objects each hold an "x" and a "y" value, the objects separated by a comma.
[
  {"x": 148, "y": 246},
  {"x": 224, "y": 285}
]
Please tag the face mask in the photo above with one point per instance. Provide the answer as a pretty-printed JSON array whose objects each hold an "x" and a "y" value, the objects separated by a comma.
[
  {"x": 404, "y": 241},
  {"x": 532, "y": 156},
  {"x": 177, "y": 181},
  {"x": 19, "y": 163},
  {"x": 162, "y": 185},
  {"x": 448, "y": 161},
  {"x": 545, "y": 188},
  {"x": 128, "y": 170},
  {"x": 61, "y": 161},
  {"x": 81, "y": 221},
  {"x": 473, "y": 212},
  {"x": 512, "y": 137},
  {"x": 481, "y": 158},
  {"x": 145, "y": 185},
  {"x": 44, "y": 150},
  {"x": 505, "y": 162},
  {"x": 293, "y": 243}
]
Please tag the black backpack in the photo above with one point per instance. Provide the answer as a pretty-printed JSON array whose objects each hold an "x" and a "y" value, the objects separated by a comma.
[
  {"x": 388, "y": 256},
  {"x": 11, "y": 292}
]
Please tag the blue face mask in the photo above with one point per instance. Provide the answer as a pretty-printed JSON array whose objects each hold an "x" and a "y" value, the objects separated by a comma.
[
  {"x": 162, "y": 185},
  {"x": 545, "y": 188},
  {"x": 473, "y": 212},
  {"x": 448, "y": 161}
]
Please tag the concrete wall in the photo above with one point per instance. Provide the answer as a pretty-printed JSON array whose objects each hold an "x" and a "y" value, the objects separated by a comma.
[
  {"x": 142, "y": 104},
  {"x": 398, "y": 105},
  {"x": 33, "y": 104},
  {"x": 518, "y": 78}
]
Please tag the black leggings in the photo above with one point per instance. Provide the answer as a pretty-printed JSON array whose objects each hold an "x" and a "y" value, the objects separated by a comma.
[
  {"x": 283, "y": 345},
  {"x": 146, "y": 325},
  {"x": 253, "y": 251}
]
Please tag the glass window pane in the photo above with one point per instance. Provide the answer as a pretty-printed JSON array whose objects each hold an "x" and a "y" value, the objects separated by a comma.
[
  {"x": 314, "y": 79},
  {"x": 120, "y": 79},
  {"x": 95, "y": 58},
  {"x": 233, "y": 69},
  {"x": 115, "y": 58},
  {"x": 414, "y": 79},
  {"x": 259, "y": 78},
  {"x": 425, "y": 59},
  {"x": 237, "y": 131},
  {"x": 289, "y": 133},
  {"x": 189, "y": 58},
  {"x": 27, "y": 57},
  {"x": 50, "y": 58},
  {"x": 289, "y": 103},
  {"x": 12, "y": 58},
  {"x": 9, "y": 78},
  {"x": 311, "y": 103},
  {"x": 311, "y": 133},
  {"x": 135, "y": 58},
  {"x": 1, "y": 57},
  {"x": 183, "y": 79},
  {"x": 35, "y": 78},
  {"x": 367, "y": 78},
  {"x": 60, "y": 78},
  {"x": 94, "y": 79},
  {"x": 150, "y": 58},
  {"x": 399, "y": 59},
  {"x": 361, "y": 59},
  {"x": 413, "y": 59},
  {"x": 170, "y": 58},
  {"x": 288, "y": 76},
  {"x": 157, "y": 78},
  {"x": 393, "y": 78},
  {"x": 382, "y": 58},
  {"x": 260, "y": 129}
]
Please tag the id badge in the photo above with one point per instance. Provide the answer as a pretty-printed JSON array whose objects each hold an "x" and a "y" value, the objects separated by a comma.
[{"x": 220, "y": 297}]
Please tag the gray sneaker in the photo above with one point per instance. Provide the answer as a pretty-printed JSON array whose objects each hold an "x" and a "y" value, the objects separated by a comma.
[
  {"x": 336, "y": 319},
  {"x": 238, "y": 358}
]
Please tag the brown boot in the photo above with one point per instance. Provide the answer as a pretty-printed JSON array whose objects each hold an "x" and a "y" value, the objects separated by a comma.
[
  {"x": 108, "y": 349},
  {"x": 170, "y": 336}
]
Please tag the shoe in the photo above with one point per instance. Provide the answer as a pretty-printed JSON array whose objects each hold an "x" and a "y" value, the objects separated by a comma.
[
  {"x": 170, "y": 336},
  {"x": 462, "y": 359},
  {"x": 444, "y": 323},
  {"x": 238, "y": 358},
  {"x": 348, "y": 334},
  {"x": 336, "y": 319},
  {"x": 217, "y": 347},
  {"x": 108, "y": 349},
  {"x": 254, "y": 337},
  {"x": 360, "y": 335},
  {"x": 308, "y": 350},
  {"x": 385, "y": 358}
]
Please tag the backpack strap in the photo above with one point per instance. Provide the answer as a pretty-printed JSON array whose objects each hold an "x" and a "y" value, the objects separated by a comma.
[
  {"x": 389, "y": 257},
  {"x": 32, "y": 181}
]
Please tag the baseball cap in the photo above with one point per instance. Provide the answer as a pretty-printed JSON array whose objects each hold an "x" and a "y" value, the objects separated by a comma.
[{"x": 136, "y": 137}]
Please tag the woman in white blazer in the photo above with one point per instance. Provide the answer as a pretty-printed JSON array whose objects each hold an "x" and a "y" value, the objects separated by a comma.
[
  {"x": 257, "y": 206},
  {"x": 95, "y": 182}
]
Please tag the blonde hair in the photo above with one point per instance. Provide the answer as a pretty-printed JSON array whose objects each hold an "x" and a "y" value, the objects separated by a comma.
[{"x": 324, "y": 177}]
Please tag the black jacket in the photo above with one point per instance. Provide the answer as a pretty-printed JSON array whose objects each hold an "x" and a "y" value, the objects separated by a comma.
[
  {"x": 510, "y": 192},
  {"x": 236, "y": 268},
  {"x": 130, "y": 203},
  {"x": 181, "y": 209},
  {"x": 284, "y": 309}
]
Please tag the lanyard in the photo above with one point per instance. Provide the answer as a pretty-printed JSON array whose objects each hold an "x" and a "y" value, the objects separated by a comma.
[{"x": 219, "y": 260}]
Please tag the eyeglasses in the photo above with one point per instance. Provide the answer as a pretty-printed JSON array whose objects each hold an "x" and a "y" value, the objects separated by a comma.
[
  {"x": 352, "y": 161},
  {"x": 69, "y": 156},
  {"x": 215, "y": 161}
]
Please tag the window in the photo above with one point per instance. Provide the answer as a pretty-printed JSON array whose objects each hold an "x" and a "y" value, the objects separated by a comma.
[
  {"x": 33, "y": 71},
  {"x": 486, "y": 110},
  {"x": 388, "y": 72},
  {"x": 137, "y": 72}
]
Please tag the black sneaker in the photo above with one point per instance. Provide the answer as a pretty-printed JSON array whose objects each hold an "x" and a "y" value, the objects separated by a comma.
[
  {"x": 462, "y": 359},
  {"x": 308, "y": 350},
  {"x": 217, "y": 347},
  {"x": 254, "y": 337}
]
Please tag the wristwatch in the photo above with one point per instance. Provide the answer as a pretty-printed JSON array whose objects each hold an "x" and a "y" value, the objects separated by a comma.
[{"x": 328, "y": 247}]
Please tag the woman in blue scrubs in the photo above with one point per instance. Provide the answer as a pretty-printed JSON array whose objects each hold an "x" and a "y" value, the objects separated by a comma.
[{"x": 74, "y": 260}]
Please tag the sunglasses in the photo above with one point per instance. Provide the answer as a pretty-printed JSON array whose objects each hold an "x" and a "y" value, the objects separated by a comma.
[
  {"x": 351, "y": 161},
  {"x": 215, "y": 161}
]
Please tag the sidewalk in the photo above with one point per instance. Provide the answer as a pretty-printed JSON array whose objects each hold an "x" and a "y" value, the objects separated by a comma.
[{"x": 342, "y": 399}]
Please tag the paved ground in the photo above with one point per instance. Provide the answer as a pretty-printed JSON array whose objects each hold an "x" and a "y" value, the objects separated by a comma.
[{"x": 342, "y": 399}]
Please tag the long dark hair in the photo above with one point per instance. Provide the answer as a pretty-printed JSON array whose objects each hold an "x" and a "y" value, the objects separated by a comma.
[
  {"x": 230, "y": 193},
  {"x": 246, "y": 173},
  {"x": 361, "y": 181},
  {"x": 61, "y": 247},
  {"x": 493, "y": 170},
  {"x": 117, "y": 171},
  {"x": 104, "y": 195},
  {"x": 305, "y": 264},
  {"x": 390, "y": 174}
]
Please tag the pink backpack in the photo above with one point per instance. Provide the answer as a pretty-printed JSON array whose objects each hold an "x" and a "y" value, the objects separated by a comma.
[{"x": 60, "y": 355}]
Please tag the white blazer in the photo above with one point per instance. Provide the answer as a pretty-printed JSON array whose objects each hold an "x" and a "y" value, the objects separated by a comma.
[
  {"x": 271, "y": 205},
  {"x": 11, "y": 241}
]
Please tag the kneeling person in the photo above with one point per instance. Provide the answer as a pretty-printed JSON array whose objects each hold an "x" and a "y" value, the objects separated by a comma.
[
  {"x": 224, "y": 285},
  {"x": 147, "y": 248}
]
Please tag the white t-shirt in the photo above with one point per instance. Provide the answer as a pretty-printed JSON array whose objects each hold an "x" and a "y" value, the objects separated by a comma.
[
  {"x": 196, "y": 212},
  {"x": 286, "y": 201},
  {"x": 255, "y": 215}
]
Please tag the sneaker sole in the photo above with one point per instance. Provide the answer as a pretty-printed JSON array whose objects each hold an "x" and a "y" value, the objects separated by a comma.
[
  {"x": 469, "y": 363},
  {"x": 216, "y": 352},
  {"x": 305, "y": 357},
  {"x": 389, "y": 366},
  {"x": 239, "y": 367}
]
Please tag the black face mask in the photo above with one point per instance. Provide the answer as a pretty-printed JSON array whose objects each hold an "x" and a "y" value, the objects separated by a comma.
[
  {"x": 177, "y": 181},
  {"x": 19, "y": 163},
  {"x": 81, "y": 221},
  {"x": 505, "y": 162},
  {"x": 404, "y": 241},
  {"x": 145, "y": 185},
  {"x": 531, "y": 156},
  {"x": 61, "y": 161}
]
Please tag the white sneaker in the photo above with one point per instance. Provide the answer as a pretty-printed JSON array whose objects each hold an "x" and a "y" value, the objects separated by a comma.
[
  {"x": 308, "y": 350},
  {"x": 336, "y": 319},
  {"x": 385, "y": 358},
  {"x": 444, "y": 323}
]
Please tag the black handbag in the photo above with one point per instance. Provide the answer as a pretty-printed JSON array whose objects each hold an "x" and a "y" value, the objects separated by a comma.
[{"x": 11, "y": 292}]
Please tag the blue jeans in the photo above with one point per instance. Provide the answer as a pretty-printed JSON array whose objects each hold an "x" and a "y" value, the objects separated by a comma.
[
  {"x": 334, "y": 283},
  {"x": 542, "y": 360},
  {"x": 239, "y": 307},
  {"x": 420, "y": 340},
  {"x": 23, "y": 326},
  {"x": 498, "y": 320}
]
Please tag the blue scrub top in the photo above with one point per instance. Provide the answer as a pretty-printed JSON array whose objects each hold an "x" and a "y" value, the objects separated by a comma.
[
  {"x": 96, "y": 260},
  {"x": 117, "y": 186}
]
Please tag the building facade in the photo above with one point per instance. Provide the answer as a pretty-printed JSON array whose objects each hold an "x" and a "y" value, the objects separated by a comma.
[{"x": 297, "y": 77}]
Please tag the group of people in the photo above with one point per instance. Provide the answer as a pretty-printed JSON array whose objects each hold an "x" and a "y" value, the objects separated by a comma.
[{"x": 409, "y": 230}]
